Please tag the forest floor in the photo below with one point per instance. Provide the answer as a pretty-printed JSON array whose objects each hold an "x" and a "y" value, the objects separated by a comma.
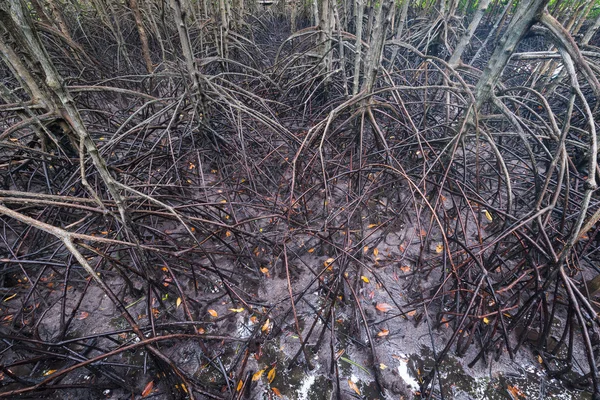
[{"x": 264, "y": 295}]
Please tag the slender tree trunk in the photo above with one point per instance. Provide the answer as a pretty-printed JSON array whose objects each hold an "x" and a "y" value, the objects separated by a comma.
[
  {"x": 400, "y": 29},
  {"x": 376, "y": 43},
  {"x": 197, "y": 94},
  {"x": 525, "y": 16},
  {"x": 591, "y": 31},
  {"x": 142, "y": 33},
  {"x": 360, "y": 9},
  {"x": 492, "y": 33},
  {"x": 466, "y": 37}
]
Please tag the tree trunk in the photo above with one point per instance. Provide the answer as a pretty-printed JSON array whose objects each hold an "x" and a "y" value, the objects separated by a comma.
[
  {"x": 142, "y": 33},
  {"x": 466, "y": 37},
  {"x": 525, "y": 16}
]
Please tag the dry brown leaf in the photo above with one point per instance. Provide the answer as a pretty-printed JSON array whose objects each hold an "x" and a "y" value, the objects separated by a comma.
[
  {"x": 148, "y": 389},
  {"x": 411, "y": 313},
  {"x": 276, "y": 391},
  {"x": 383, "y": 307},
  {"x": 354, "y": 387},
  {"x": 310, "y": 251},
  {"x": 405, "y": 268}
]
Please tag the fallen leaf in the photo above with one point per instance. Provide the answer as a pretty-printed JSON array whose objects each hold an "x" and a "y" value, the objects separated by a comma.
[
  {"x": 411, "y": 313},
  {"x": 264, "y": 270},
  {"x": 240, "y": 385},
  {"x": 178, "y": 302},
  {"x": 486, "y": 320},
  {"x": 271, "y": 375},
  {"x": 310, "y": 251},
  {"x": 382, "y": 366},
  {"x": 213, "y": 313},
  {"x": 10, "y": 297},
  {"x": 365, "y": 279},
  {"x": 365, "y": 249},
  {"x": 228, "y": 234},
  {"x": 237, "y": 310},
  {"x": 439, "y": 248},
  {"x": 371, "y": 226},
  {"x": 383, "y": 333},
  {"x": 257, "y": 375},
  {"x": 328, "y": 262},
  {"x": 405, "y": 268},
  {"x": 375, "y": 251},
  {"x": 540, "y": 360},
  {"x": 383, "y": 307},
  {"x": 276, "y": 391},
  {"x": 488, "y": 215},
  {"x": 83, "y": 315},
  {"x": 265, "y": 327},
  {"x": 49, "y": 372},
  {"x": 515, "y": 392},
  {"x": 354, "y": 387},
  {"x": 148, "y": 389}
]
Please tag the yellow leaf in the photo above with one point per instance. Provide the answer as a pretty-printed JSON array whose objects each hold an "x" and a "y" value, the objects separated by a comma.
[
  {"x": 383, "y": 332},
  {"x": 213, "y": 313},
  {"x": 383, "y": 307},
  {"x": 265, "y": 327},
  {"x": 223, "y": 201},
  {"x": 236, "y": 309},
  {"x": 239, "y": 386},
  {"x": 405, "y": 268},
  {"x": 264, "y": 270},
  {"x": 375, "y": 251},
  {"x": 257, "y": 375},
  {"x": 354, "y": 387},
  {"x": 382, "y": 366},
  {"x": 439, "y": 248},
  {"x": 365, "y": 279},
  {"x": 328, "y": 262},
  {"x": 486, "y": 320},
  {"x": 411, "y": 313},
  {"x": 276, "y": 391},
  {"x": 488, "y": 215},
  {"x": 365, "y": 249},
  {"x": 228, "y": 234},
  {"x": 271, "y": 375},
  {"x": 178, "y": 302},
  {"x": 311, "y": 250},
  {"x": 371, "y": 226},
  {"x": 49, "y": 372}
]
